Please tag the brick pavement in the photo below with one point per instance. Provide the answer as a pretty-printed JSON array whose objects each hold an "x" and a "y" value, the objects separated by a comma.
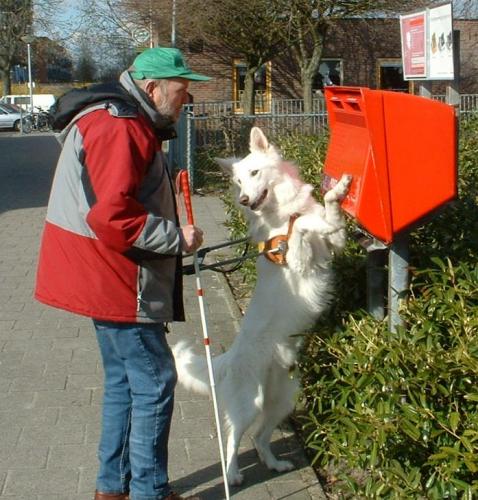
[{"x": 51, "y": 378}]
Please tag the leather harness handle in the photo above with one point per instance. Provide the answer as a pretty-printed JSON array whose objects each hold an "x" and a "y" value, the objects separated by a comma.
[{"x": 276, "y": 248}]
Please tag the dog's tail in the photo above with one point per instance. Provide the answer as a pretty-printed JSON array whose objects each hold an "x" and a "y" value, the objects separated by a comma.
[{"x": 192, "y": 369}]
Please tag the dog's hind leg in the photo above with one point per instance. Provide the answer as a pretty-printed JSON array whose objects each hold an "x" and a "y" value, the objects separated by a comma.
[
  {"x": 234, "y": 476},
  {"x": 239, "y": 416},
  {"x": 279, "y": 402}
]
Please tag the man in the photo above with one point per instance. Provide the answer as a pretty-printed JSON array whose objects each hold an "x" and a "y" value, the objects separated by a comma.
[{"x": 111, "y": 250}]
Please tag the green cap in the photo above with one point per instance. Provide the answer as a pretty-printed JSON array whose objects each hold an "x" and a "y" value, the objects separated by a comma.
[{"x": 161, "y": 62}]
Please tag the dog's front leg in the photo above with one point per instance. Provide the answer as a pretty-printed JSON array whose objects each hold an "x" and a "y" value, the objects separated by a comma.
[
  {"x": 308, "y": 240},
  {"x": 299, "y": 253},
  {"x": 333, "y": 213},
  {"x": 332, "y": 199}
]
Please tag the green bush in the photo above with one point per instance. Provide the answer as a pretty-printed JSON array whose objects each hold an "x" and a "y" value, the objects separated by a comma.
[
  {"x": 454, "y": 232},
  {"x": 395, "y": 415},
  {"x": 308, "y": 152}
]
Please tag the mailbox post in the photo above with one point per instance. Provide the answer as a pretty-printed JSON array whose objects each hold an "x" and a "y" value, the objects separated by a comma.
[
  {"x": 398, "y": 281},
  {"x": 401, "y": 151}
]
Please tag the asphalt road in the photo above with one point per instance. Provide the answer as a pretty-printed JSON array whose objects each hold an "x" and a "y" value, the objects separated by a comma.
[{"x": 26, "y": 169}]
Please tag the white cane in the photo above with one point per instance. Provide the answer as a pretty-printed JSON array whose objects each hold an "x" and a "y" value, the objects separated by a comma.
[{"x": 184, "y": 186}]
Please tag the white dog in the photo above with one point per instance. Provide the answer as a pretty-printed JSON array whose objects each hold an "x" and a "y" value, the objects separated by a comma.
[{"x": 294, "y": 282}]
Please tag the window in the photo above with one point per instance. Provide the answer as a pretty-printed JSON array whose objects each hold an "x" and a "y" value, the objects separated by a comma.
[
  {"x": 390, "y": 75},
  {"x": 21, "y": 100},
  {"x": 262, "y": 87},
  {"x": 329, "y": 73}
]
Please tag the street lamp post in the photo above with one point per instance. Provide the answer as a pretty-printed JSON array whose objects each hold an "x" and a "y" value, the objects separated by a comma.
[
  {"x": 173, "y": 25},
  {"x": 28, "y": 39},
  {"x": 30, "y": 85},
  {"x": 151, "y": 41}
]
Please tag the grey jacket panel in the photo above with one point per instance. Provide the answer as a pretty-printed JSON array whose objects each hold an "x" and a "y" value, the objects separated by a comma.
[
  {"x": 160, "y": 233},
  {"x": 68, "y": 205},
  {"x": 157, "y": 277}
]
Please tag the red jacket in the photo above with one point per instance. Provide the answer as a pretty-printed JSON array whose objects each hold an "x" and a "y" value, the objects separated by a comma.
[{"x": 111, "y": 244}]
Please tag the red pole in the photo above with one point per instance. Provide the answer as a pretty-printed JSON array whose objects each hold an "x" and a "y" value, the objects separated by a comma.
[{"x": 184, "y": 186}]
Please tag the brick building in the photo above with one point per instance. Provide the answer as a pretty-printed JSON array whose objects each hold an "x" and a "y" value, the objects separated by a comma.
[{"x": 358, "y": 52}]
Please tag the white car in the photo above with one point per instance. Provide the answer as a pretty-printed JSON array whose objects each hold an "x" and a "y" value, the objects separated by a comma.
[
  {"x": 41, "y": 101},
  {"x": 10, "y": 116}
]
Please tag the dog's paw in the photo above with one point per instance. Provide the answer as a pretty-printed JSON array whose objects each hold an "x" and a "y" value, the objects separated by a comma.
[
  {"x": 279, "y": 465},
  {"x": 271, "y": 462},
  {"x": 235, "y": 478},
  {"x": 345, "y": 181},
  {"x": 340, "y": 190}
]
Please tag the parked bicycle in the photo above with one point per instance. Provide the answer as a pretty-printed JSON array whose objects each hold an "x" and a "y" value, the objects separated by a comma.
[
  {"x": 39, "y": 120},
  {"x": 25, "y": 126}
]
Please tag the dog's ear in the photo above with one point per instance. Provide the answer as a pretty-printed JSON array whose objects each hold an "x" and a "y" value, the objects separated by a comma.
[
  {"x": 258, "y": 141},
  {"x": 225, "y": 164}
]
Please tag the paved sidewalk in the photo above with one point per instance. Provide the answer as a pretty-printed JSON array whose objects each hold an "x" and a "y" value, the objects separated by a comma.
[{"x": 51, "y": 378}]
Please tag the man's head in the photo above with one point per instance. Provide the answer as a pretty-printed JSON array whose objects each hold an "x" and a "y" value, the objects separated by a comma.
[{"x": 164, "y": 76}]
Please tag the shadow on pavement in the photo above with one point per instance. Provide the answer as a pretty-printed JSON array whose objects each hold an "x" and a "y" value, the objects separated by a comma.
[
  {"x": 204, "y": 481},
  {"x": 27, "y": 164}
]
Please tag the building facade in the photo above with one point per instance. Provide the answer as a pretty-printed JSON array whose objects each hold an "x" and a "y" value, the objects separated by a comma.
[{"x": 357, "y": 52}]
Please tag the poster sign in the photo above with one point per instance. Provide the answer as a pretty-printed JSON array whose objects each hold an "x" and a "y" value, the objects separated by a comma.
[
  {"x": 413, "y": 33},
  {"x": 441, "y": 43},
  {"x": 427, "y": 44}
]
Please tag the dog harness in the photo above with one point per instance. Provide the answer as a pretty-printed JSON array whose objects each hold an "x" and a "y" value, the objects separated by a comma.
[{"x": 276, "y": 248}]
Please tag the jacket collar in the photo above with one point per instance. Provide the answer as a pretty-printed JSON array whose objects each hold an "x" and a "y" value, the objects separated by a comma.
[{"x": 163, "y": 131}]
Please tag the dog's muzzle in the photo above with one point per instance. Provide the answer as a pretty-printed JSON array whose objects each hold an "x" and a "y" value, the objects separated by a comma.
[{"x": 259, "y": 201}]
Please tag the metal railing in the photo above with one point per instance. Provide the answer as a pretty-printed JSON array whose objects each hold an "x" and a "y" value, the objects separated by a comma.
[
  {"x": 468, "y": 104},
  {"x": 278, "y": 107},
  {"x": 213, "y": 128}
]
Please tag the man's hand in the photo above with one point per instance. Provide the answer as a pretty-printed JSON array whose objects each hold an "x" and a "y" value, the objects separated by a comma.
[{"x": 191, "y": 237}]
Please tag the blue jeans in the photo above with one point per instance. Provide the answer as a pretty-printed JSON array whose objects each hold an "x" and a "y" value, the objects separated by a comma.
[{"x": 140, "y": 377}]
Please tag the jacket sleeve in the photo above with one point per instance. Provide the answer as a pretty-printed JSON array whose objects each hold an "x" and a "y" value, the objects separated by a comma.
[{"x": 117, "y": 153}]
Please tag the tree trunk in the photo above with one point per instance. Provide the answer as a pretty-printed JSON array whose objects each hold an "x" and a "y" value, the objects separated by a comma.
[
  {"x": 307, "y": 77},
  {"x": 7, "y": 85},
  {"x": 306, "y": 82},
  {"x": 248, "y": 98}
]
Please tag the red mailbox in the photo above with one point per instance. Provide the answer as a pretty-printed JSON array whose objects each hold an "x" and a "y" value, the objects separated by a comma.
[{"x": 401, "y": 151}]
